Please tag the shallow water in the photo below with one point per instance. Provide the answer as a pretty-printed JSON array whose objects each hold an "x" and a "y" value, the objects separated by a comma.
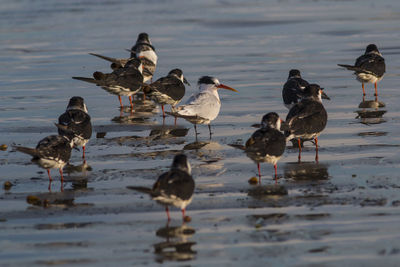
[{"x": 343, "y": 210}]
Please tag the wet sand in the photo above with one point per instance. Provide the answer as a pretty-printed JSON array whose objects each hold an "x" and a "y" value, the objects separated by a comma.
[{"x": 343, "y": 210}]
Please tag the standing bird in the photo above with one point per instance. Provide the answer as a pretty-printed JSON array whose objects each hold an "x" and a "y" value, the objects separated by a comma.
[
  {"x": 174, "y": 187},
  {"x": 268, "y": 143},
  {"x": 308, "y": 118},
  {"x": 142, "y": 50},
  {"x": 292, "y": 91},
  {"x": 168, "y": 90},
  {"x": 125, "y": 81},
  {"x": 75, "y": 123},
  {"x": 52, "y": 152},
  {"x": 369, "y": 68},
  {"x": 203, "y": 107}
]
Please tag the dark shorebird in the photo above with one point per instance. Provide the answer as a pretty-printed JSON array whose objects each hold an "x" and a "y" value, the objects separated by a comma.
[
  {"x": 142, "y": 50},
  {"x": 145, "y": 51},
  {"x": 292, "y": 91},
  {"x": 308, "y": 118},
  {"x": 75, "y": 123},
  {"x": 125, "y": 81},
  {"x": 167, "y": 90},
  {"x": 202, "y": 107},
  {"x": 369, "y": 68},
  {"x": 52, "y": 152},
  {"x": 268, "y": 143},
  {"x": 174, "y": 187}
]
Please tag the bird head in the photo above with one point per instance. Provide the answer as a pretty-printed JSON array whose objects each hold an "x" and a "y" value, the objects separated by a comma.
[
  {"x": 294, "y": 73},
  {"x": 271, "y": 120},
  {"x": 212, "y": 83},
  {"x": 77, "y": 102},
  {"x": 314, "y": 91},
  {"x": 179, "y": 74},
  {"x": 372, "y": 48},
  {"x": 181, "y": 163}
]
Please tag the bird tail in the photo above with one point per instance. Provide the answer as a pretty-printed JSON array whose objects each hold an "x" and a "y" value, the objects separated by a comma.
[
  {"x": 141, "y": 189},
  {"x": 27, "y": 150},
  {"x": 111, "y": 59},
  {"x": 349, "y": 67},
  {"x": 89, "y": 80}
]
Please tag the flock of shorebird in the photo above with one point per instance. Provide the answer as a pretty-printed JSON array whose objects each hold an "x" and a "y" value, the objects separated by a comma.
[{"x": 305, "y": 120}]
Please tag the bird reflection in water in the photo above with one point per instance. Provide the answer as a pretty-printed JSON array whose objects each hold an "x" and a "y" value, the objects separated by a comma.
[
  {"x": 176, "y": 246},
  {"x": 371, "y": 112},
  {"x": 306, "y": 171},
  {"x": 141, "y": 113}
]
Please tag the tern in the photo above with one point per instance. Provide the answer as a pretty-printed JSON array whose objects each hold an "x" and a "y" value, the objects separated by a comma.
[
  {"x": 202, "y": 107},
  {"x": 307, "y": 119},
  {"x": 75, "y": 123},
  {"x": 52, "y": 152},
  {"x": 268, "y": 143},
  {"x": 125, "y": 81},
  {"x": 174, "y": 187},
  {"x": 369, "y": 68},
  {"x": 168, "y": 90},
  {"x": 292, "y": 91}
]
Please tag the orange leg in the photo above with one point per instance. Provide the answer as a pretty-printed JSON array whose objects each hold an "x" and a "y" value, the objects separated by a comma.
[
  {"x": 299, "y": 142},
  {"x": 163, "y": 112},
  {"x": 183, "y": 214},
  {"x": 167, "y": 211},
  {"x": 376, "y": 92},
  {"x": 62, "y": 176},
  {"x": 83, "y": 154},
  {"x": 130, "y": 101},
  {"x": 120, "y": 102},
  {"x": 363, "y": 89},
  {"x": 259, "y": 172},
  {"x": 48, "y": 173},
  {"x": 276, "y": 173}
]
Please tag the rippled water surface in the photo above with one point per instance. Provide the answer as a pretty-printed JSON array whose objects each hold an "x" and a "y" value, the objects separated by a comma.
[{"x": 343, "y": 210}]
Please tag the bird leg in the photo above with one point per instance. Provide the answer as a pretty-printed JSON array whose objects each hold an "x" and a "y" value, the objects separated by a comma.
[
  {"x": 167, "y": 211},
  {"x": 48, "y": 173},
  {"x": 316, "y": 149},
  {"x": 130, "y": 101},
  {"x": 144, "y": 96},
  {"x": 362, "y": 84},
  {"x": 259, "y": 172},
  {"x": 299, "y": 142},
  {"x": 62, "y": 176},
  {"x": 209, "y": 129},
  {"x": 276, "y": 173},
  {"x": 183, "y": 214},
  {"x": 376, "y": 92},
  {"x": 83, "y": 154},
  {"x": 163, "y": 112},
  {"x": 175, "y": 120},
  {"x": 120, "y": 102}
]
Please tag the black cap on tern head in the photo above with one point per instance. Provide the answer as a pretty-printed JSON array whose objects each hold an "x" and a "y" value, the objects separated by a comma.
[
  {"x": 181, "y": 163},
  {"x": 312, "y": 90},
  {"x": 177, "y": 72},
  {"x": 143, "y": 38},
  {"x": 270, "y": 120},
  {"x": 294, "y": 73},
  {"x": 208, "y": 80},
  {"x": 371, "y": 48},
  {"x": 76, "y": 101}
]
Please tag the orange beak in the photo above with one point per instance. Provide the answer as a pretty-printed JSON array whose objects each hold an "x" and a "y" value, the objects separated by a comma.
[{"x": 226, "y": 87}]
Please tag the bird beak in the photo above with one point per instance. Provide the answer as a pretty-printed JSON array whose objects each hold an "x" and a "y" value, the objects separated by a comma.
[
  {"x": 324, "y": 96},
  {"x": 185, "y": 81},
  {"x": 226, "y": 87},
  {"x": 130, "y": 50}
]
